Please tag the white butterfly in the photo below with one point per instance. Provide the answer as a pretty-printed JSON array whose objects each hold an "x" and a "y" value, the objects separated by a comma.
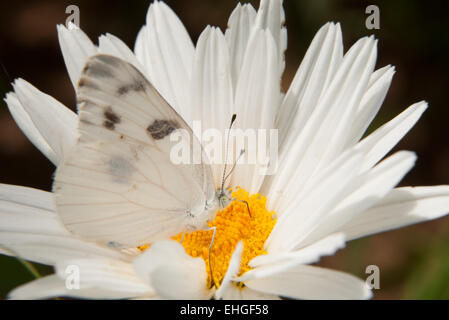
[{"x": 118, "y": 185}]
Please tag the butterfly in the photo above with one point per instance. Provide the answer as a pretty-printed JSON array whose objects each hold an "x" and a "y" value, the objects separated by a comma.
[{"x": 118, "y": 186}]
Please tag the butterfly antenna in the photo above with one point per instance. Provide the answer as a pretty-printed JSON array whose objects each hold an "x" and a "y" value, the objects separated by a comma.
[
  {"x": 233, "y": 166},
  {"x": 223, "y": 180},
  {"x": 210, "y": 256},
  {"x": 229, "y": 174},
  {"x": 8, "y": 78}
]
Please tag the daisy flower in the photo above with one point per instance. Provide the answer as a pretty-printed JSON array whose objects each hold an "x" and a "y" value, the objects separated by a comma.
[{"x": 332, "y": 184}]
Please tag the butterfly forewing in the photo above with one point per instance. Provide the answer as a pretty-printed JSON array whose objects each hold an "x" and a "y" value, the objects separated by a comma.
[{"x": 119, "y": 185}]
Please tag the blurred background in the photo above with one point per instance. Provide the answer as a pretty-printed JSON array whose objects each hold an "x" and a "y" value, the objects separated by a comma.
[{"x": 413, "y": 36}]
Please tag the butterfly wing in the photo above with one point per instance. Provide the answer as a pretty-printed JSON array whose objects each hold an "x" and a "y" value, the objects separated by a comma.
[{"x": 119, "y": 185}]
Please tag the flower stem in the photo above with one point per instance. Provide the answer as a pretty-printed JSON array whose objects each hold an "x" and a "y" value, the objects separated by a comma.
[{"x": 29, "y": 266}]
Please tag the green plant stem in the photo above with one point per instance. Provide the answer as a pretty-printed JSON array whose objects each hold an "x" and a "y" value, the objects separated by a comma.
[{"x": 32, "y": 269}]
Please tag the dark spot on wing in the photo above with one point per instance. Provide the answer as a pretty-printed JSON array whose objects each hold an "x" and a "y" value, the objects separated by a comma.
[
  {"x": 107, "y": 59},
  {"x": 108, "y": 125},
  {"x": 111, "y": 116},
  {"x": 159, "y": 129},
  {"x": 85, "y": 121},
  {"x": 114, "y": 244},
  {"x": 120, "y": 168},
  {"x": 99, "y": 70},
  {"x": 136, "y": 86},
  {"x": 86, "y": 83},
  {"x": 111, "y": 119}
]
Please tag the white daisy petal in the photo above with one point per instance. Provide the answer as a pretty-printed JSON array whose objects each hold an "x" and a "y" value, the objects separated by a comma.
[
  {"x": 381, "y": 141},
  {"x": 23, "y": 120},
  {"x": 43, "y": 288},
  {"x": 166, "y": 51},
  {"x": 28, "y": 210},
  {"x": 110, "y": 44},
  {"x": 76, "y": 47},
  {"x": 373, "y": 187},
  {"x": 371, "y": 102},
  {"x": 257, "y": 90},
  {"x": 312, "y": 78},
  {"x": 106, "y": 274},
  {"x": 55, "y": 122},
  {"x": 400, "y": 208},
  {"x": 35, "y": 198},
  {"x": 304, "y": 214},
  {"x": 257, "y": 93},
  {"x": 322, "y": 138},
  {"x": 310, "y": 254},
  {"x": 31, "y": 229},
  {"x": 211, "y": 87},
  {"x": 141, "y": 50},
  {"x": 282, "y": 262},
  {"x": 171, "y": 272},
  {"x": 237, "y": 34},
  {"x": 211, "y": 80},
  {"x": 48, "y": 123},
  {"x": 381, "y": 179},
  {"x": 50, "y": 249},
  {"x": 271, "y": 16},
  {"x": 308, "y": 282},
  {"x": 53, "y": 286},
  {"x": 233, "y": 270}
]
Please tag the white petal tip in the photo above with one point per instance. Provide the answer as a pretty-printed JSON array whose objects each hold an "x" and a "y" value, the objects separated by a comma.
[
  {"x": 72, "y": 26},
  {"x": 368, "y": 293}
]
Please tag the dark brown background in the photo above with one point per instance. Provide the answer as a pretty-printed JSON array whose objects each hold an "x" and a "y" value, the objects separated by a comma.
[{"x": 414, "y": 36}]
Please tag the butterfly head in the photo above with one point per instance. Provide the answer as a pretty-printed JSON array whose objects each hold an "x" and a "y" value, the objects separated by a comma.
[{"x": 224, "y": 197}]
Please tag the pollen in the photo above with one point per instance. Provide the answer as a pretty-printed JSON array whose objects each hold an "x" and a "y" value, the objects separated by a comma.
[{"x": 234, "y": 223}]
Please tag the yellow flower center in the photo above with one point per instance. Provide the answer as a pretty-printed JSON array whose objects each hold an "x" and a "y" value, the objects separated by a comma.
[{"x": 234, "y": 223}]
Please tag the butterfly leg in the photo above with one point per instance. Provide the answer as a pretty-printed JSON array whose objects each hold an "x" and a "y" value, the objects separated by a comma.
[
  {"x": 210, "y": 248},
  {"x": 247, "y": 205},
  {"x": 183, "y": 234}
]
